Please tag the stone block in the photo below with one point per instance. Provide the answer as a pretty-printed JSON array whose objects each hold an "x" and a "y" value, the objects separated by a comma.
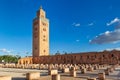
[
  {"x": 106, "y": 72},
  {"x": 83, "y": 71},
  {"x": 72, "y": 69},
  {"x": 101, "y": 76},
  {"x": 32, "y": 75},
  {"x": 23, "y": 67},
  {"x": 56, "y": 77},
  {"x": 111, "y": 69},
  {"x": 49, "y": 67},
  {"x": 5, "y": 78},
  {"x": 98, "y": 67},
  {"x": 90, "y": 68},
  {"x": 66, "y": 70},
  {"x": 73, "y": 73},
  {"x": 53, "y": 72},
  {"x": 91, "y": 79},
  {"x": 95, "y": 68}
]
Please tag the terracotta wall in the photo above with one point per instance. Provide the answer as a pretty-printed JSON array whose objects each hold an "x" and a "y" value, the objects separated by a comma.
[
  {"x": 27, "y": 60},
  {"x": 106, "y": 57}
]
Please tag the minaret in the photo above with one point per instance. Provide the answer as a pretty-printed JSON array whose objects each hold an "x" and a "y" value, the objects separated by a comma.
[{"x": 40, "y": 34}]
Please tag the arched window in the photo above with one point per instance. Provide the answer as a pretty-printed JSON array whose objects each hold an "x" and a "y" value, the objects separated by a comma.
[
  {"x": 35, "y": 28},
  {"x": 44, "y": 40},
  {"x": 44, "y": 36},
  {"x": 35, "y": 47},
  {"x": 44, "y": 51},
  {"x": 44, "y": 29},
  {"x": 112, "y": 55},
  {"x": 103, "y": 55},
  {"x": 87, "y": 56},
  {"x": 81, "y": 56},
  {"x": 95, "y": 56}
]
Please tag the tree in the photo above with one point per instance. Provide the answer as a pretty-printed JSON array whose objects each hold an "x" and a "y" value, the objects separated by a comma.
[
  {"x": 58, "y": 53},
  {"x": 9, "y": 58},
  {"x": 27, "y": 54},
  {"x": 65, "y": 53}
]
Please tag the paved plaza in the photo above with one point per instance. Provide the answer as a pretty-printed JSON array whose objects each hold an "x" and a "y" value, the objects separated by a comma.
[{"x": 20, "y": 74}]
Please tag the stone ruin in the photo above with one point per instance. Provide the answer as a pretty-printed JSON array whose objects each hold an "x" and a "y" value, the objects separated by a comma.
[{"x": 55, "y": 70}]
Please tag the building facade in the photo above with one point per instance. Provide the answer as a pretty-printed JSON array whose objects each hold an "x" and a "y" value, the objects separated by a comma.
[
  {"x": 41, "y": 49},
  {"x": 105, "y": 57},
  {"x": 40, "y": 34}
]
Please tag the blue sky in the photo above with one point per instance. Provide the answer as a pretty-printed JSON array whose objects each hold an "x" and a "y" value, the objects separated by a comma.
[{"x": 75, "y": 25}]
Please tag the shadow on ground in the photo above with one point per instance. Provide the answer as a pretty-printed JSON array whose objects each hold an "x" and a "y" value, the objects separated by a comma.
[{"x": 18, "y": 78}]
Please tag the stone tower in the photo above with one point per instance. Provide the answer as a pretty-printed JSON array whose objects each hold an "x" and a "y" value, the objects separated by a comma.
[{"x": 40, "y": 34}]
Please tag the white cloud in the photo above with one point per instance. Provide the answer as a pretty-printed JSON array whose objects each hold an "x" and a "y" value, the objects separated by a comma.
[
  {"x": 6, "y": 51},
  {"x": 90, "y": 41},
  {"x": 110, "y": 49},
  {"x": 107, "y": 37},
  {"x": 91, "y": 24},
  {"x": 113, "y": 21},
  {"x": 107, "y": 33},
  {"x": 77, "y": 40},
  {"x": 117, "y": 49},
  {"x": 76, "y": 24}
]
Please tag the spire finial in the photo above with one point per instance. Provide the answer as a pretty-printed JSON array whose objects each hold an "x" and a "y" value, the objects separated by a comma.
[{"x": 41, "y": 7}]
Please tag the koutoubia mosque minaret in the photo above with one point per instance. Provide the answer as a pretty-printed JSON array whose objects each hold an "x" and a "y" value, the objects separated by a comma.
[{"x": 40, "y": 34}]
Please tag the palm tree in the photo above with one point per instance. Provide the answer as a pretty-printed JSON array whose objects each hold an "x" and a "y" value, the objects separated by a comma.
[
  {"x": 58, "y": 53},
  {"x": 27, "y": 54}
]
